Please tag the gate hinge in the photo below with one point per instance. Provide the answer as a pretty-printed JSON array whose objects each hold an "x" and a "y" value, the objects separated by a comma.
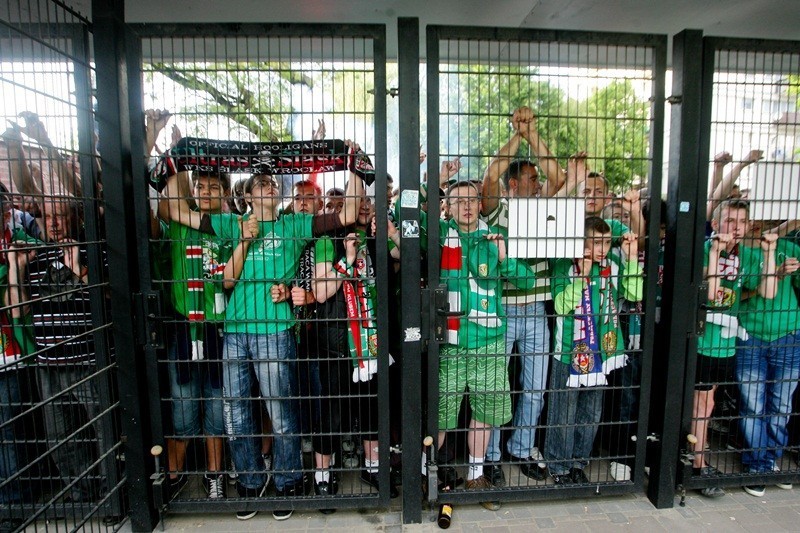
[
  {"x": 674, "y": 99},
  {"x": 149, "y": 326}
]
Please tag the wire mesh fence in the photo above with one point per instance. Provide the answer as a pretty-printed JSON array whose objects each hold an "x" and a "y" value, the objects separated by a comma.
[
  {"x": 746, "y": 373},
  {"x": 274, "y": 251},
  {"x": 60, "y": 444},
  {"x": 548, "y": 143}
]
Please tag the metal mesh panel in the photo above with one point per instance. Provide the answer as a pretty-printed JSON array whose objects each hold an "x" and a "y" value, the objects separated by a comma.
[
  {"x": 539, "y": 373},
  {"x": 59, "y": 440},
  {"x": 747, "y": 368},
  {"x": 268, "y": 397}
]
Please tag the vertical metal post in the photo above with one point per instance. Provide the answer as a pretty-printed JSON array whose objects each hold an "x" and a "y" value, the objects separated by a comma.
[
  {"x": 110, "y": 46},
  {"x": 659, "y": 52},
  {"x": 410, "y": 299},
  {"x": 382, "y": 268},
  {"x": 675, "y": 347},
  {"x": 94, "y": 236}
]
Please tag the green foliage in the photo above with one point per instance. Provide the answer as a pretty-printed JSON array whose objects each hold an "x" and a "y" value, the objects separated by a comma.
[
  {"x": 477, "y": 101},
  {"x": 254, "y": 97},
  {"x": 621, "y": 131},
  {"x": 612, "y": 124}
]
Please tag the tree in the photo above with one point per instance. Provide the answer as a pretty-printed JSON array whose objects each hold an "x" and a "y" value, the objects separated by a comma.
[
  {"x": 477, "y": 101},
  {"x": 617, "y": 133},
  {"x": 254, "y": 97}
]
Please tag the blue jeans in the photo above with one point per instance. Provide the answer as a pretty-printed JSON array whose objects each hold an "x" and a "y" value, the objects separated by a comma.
[
  {"x": 527, "y": 327},
  {"x": 573, "y": 416},
  {"x": 9, "y": 408},
  {"x": 767, "y": 373},
  {"x": 275, "y": 364},
  {"x": 196, "y": 392},
  {"x": 70, "y": 401}
]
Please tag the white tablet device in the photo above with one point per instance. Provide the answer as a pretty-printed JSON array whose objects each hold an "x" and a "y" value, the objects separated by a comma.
[
  {"x": 545, "y": 228},
  {"x": 775, "y": 191}
]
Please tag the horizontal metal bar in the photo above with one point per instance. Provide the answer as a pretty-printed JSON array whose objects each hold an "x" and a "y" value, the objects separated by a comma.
[{"x": 227, "y": 30}]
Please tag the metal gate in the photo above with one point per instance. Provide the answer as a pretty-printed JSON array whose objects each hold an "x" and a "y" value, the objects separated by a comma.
[
  {"x": 245, "y": 101},
  {"x": 503, "y": 106},
  {"x": 738, "y": 391},
  {"x": 61, "y": 438}
]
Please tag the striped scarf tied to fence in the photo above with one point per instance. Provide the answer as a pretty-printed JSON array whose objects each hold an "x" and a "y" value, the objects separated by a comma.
[{"x": 362, "y": 336}]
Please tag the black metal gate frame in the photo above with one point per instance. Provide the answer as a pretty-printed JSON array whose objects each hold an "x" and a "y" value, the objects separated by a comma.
[
  {"x": 706, "y": 64},
  {"x": 377, "y": 33},
  {"x": 78, "y": 36},
  {"x": 658, "y": 46}
]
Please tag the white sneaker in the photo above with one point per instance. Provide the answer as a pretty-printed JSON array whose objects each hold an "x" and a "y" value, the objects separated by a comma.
[
  {"x": 215, "y": 486},
  {"x": 619, "y": 471},
  {"x": 782, "y": 485}
]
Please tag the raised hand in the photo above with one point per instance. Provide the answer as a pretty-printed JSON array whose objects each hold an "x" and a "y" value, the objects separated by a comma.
[
  {"x": 630, "y": 246},
  {"x": 497, "y": 238},
  {"x": 250, "y": 227},
  {"x": 351, "y": 248},
  {"x": 448, "y": 170},
  {"x": 319, "y": 134},
  {"x": 753, "y": 157},
  {"x": 769, "y": 241},
  {"x": 723, "y": 158}
]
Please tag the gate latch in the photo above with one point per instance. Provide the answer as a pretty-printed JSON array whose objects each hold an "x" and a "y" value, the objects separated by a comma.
[
  {"x": 702, "y": 308},
  {"x": 443, "y": 312},
  {"x": 149, "y": 319}
]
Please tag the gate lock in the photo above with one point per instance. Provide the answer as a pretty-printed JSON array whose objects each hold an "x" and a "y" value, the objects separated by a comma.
[{"x": 443, "y": 312}]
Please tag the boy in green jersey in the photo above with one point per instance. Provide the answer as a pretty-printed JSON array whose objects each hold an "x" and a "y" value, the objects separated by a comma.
[
  {"x": 589, "y": 344},
  {"x": 768, "y": 364},
  {"x": 195, "y": 354},
  {"x": 259, "y": 322},
  {"x": 728, "y": 268}
]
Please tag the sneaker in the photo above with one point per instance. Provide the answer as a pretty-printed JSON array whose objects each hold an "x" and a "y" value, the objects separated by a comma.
[
  {"x": 718, "y": 426},
  {"x": 249, "y": 493},
  {"x": 619, "y": 471},
  {"x": 287, "y": 492},
  {"x": 214, "y": 485},
  {"x": 561, "y": 479},
  {"x": 578, "y": 476},
  {"x": 713, "y": 492},
  {"x": 308, "y": 446},
  {"x": 350, "y": 461},
  {"x": 348, "y": 445},
  {"x": 782, "y": 484},
  {"x": 755, "y": 490},
  {"x": 326, "y": 489},
  {"x": 494, "y": 473},
  {"x": 531, "y": 467},
  {"x": 709, "y": 492},
  {"x": 481, "y": 483},
  {"x": 177, "y": 484},
  {"x": 233, "y": 475},
  {"x": 448, "y": 477},
  {"x": 267, "y": 458},
  {"x": 371, "y": 479}
]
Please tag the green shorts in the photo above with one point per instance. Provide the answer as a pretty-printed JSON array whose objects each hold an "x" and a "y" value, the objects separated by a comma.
[{"x": 484, "y": 373}]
